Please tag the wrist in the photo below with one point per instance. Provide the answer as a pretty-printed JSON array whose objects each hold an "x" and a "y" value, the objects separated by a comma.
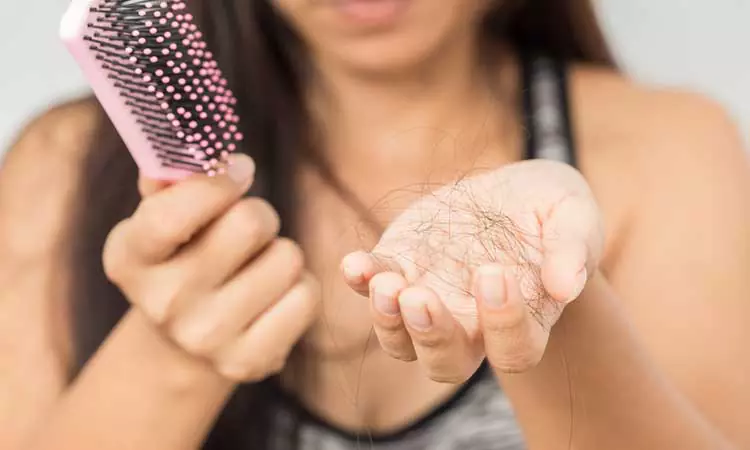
[{"x": 172, "y": 369}]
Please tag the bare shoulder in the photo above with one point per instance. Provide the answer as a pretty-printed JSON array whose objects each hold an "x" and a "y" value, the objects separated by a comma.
[
  {"x": 44, "y": 164},
  {"x": 673, "y": 122},
  {"x": 672, "y": 176},
  {"x": 658, "y": 156},
  {"x": 63, "y": 128}
]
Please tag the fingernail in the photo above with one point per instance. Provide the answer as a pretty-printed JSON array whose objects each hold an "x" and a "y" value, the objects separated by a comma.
[
  {"x": 580, "y": 284},
  {"x": 385, "y": 304},
  {"x": 416, "y": 316},
  {"x": 241, "y": 169},
  {"x": 353, "y": 275},
  {"x": 353, "y": 267},
  {"x": 492, "y": 286}
]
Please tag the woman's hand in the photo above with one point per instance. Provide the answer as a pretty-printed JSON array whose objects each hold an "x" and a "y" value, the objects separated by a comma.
[
  {"x": 208, "y": 268},
  {"x": 481, "y": 268}
]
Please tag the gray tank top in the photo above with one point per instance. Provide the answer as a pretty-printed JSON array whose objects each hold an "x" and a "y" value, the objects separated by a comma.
[{"x": 479, "y": 416}]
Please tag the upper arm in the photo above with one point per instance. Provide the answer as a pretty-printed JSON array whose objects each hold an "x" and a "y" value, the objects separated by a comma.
[
  {"x": 38, "y": 182},
  {"x": 38, "y": 177},
  {"x": 683, "y": 269}
]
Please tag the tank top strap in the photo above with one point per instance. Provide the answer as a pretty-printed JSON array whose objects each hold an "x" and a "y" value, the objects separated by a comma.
[{"x": 546, "y": 110}]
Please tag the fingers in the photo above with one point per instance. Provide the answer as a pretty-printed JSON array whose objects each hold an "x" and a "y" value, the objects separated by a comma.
[
  {"x": 264, "y": 347},
  {"x": 360, "y": 267},
  {"x": 208, "y": 324},
  {"x": 230, "y": 242},
  {"x": 440, "y": 342},
  {"x": 386, "y": 312},
  {"x": 208, "y": 271},
  {"x": 168, "y": 219},
  {"x": 413, "y": 323},
  {"x": 513, "y": 340}
]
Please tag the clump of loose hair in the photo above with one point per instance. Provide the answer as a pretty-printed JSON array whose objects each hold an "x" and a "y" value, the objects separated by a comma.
[{"x": 449, "y": 232}]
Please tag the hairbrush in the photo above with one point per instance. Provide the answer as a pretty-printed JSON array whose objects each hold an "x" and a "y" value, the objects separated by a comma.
[{"x": 149, "y": 67}]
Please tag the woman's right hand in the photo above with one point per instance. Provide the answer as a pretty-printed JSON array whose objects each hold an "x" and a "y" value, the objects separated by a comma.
[{"x": 208, "y": 268}]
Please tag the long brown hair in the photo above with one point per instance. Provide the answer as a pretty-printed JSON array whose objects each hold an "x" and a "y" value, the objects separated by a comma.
[{"x": 261, "y": 56}]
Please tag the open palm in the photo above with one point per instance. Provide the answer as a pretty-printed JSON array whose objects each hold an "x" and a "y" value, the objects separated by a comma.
[{"x": 521, "y": 239}]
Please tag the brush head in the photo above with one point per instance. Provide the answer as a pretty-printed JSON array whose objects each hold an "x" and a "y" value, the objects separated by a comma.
[{"x": 151, "y": 70}]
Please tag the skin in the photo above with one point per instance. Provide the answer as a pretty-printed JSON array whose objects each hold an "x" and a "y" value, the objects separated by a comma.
[{"x": 659, "y": 326}]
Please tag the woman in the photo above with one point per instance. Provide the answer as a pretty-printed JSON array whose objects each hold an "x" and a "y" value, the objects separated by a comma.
[{"x": 349, "y": 105}]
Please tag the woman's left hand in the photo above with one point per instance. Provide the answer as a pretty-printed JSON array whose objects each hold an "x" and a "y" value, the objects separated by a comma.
[{"x": 482, "y": 267}]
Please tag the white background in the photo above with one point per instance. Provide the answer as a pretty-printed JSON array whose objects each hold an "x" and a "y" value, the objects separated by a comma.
[{"x": 700, "y": 44}]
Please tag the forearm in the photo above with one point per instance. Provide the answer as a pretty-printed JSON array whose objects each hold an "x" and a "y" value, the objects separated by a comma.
[
  {"x": 140, "y": 392},
  {"x": 597, "y": 388},
  {"x": 32, "y": 346}
]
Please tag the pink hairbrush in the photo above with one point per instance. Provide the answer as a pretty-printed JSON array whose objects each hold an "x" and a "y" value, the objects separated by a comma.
[{"x": 149, "y": 67}]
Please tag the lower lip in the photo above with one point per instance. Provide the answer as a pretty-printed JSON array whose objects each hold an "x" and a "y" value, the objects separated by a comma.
[{"x": 372, "y": 12}]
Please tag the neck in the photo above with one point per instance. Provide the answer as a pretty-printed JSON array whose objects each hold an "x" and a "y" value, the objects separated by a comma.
[{"x": 366, "y": 113}]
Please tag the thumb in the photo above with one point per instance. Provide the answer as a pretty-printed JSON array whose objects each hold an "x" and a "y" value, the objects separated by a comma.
[
  {"x": 571, "y": 241},
  {"x": 150, "y": 186},
  {"x": 514, "y": 340}
]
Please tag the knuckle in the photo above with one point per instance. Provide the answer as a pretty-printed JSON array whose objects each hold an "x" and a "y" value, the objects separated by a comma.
[
  {"x": 156, "y": 311},
  {"x": 219, "y": 188},
  {"x": 514, "y": 343},
  {"x": 395, "y": 345},
  {"x": 245, "y": 224},
  {"x": 447, "y": 378},
  {"x": 432, "y": 342},
  {"x": 167, "y": 230},
  {"x": 399, "y": 353},
  {"x": 254, "y": 222},
  {"x": 263, "y": 208},
  {"x": 435, "y": 340},
  {"x": 276, "y": 364},
  {"x": 160, "y": 302},
  {"x": 387, "y": 324},
  {"x": 193, "y": 341},
  {"x": 291, "y": 253},
  {"x": 405, "y": 357},
  {"x": 115, "y": 256},
  {"x": 452, "y": 370},
  {"x": 391, "y": 325},
  {"x": 254, "y": 219},
  {"x": 512, "y": 320},
  {"x": 162, "y": 227},
  {"x": 149, "y": 209},
  {"x": 241, "y": 373},
  {"x": 252, "y": 371},
  {"x": 518, "y": 359}
]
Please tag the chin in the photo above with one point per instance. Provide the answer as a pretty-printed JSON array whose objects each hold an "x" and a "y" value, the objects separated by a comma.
[
  {"x": 381, "y": 36},
  {"x": 384, "y": 56}
]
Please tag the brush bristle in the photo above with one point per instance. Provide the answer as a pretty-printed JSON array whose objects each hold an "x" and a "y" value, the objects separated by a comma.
[{"x": 156, "y": 58}]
